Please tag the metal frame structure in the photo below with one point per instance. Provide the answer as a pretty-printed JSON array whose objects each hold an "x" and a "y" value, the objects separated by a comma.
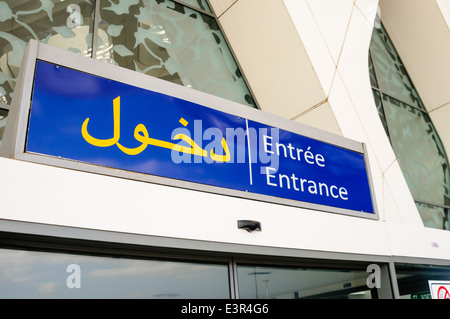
[{"x": 61, "y": 239}]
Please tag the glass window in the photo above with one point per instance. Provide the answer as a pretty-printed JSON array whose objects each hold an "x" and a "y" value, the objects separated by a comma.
[
  {"x": 162, "y": 38},
  {"x": 199, "y": 4},
  {"x": 173, "y": 42},
  {"x": 65, "y": 24},
  {"x": 408, "y": 129},
  {"x": 31, "y": 274},
  {"x": 434, "y": 216},
  {"x": 414, "y": 139},
  {"x": 391, "y": 76},
  {"x": 3, "y": 115},
  {"x": 380, "y": 109},
  {"x": 413, "y": 280},
  {"x": 292, "y": 283}
]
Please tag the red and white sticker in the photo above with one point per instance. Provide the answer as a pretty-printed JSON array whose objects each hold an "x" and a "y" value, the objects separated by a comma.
[{"x": 439, "y": 289}]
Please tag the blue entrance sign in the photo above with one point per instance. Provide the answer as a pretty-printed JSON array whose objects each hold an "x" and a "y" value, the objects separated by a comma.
[{"x": 94, "y": 120}]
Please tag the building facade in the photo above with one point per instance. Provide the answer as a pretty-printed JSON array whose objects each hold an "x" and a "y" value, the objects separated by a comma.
[{"x": 365, "y": 72}]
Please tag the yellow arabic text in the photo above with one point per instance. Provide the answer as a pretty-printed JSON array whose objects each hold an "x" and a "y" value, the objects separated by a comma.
[{"x": 141, "y": 135}]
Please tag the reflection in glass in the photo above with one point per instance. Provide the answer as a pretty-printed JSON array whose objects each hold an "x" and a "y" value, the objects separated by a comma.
[
  {"x": 3, "y": 115},
  {"x": 373, "y": 77},
  {"x": 414, "y": 139},
  {"x": 293, "y": 283},
  {"x": 391, "y": 75},
  {"x": 434, "y": 216},
  {"x": 413, "y": 280},
  {"x": 172, "y": 42},
  {"x": 380, "y": 109},
  {"x": 419, "y": 150},
  {"x": 26, "y": 274},
  {"x": 199, "y": 4},
  {"x": 65, "y": 24}
]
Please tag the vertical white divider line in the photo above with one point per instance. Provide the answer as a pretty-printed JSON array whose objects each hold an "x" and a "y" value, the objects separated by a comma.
[{"x": 249, "y": 153}]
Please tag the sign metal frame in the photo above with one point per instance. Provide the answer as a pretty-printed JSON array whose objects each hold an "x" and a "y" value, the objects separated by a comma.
[{"x": 15, "y": 135}]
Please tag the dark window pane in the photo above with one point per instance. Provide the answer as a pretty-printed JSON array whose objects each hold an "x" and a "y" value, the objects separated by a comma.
[
  {"x": 292, "y": 283},
  {"x": 414, "y": 280},
  {"x": 26, "y": 274}
]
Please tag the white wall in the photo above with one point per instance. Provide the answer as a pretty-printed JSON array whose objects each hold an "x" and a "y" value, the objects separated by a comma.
[
  {"x": 48, "y": 195},
  {"x": 275, "y": 62},
  {"x": 336, "y": 37},
  {"x": 344, "y": 29}
]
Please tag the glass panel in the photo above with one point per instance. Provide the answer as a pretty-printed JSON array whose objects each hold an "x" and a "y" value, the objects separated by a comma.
[
  {"x": 390, "y": 72},
  {"x": 380, "y": 109},
  {"x": 372, "y": 75},
  {"x": 172, "y": 42},
  {"x": 292, "y": 283},
  {"x": 26, "y": 274},
  {"x": 66, "y": 24},
  {"x": 434, "y": 216},
  {"x": 200, "y": 4},
  {"x": 419, "y": 150},
  {"x": 3, "y": 115},
  {"x": 413, "y": 279},
  {"x": 413, "y": 137}
]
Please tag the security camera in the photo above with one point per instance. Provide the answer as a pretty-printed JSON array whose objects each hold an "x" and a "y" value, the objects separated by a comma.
[{"x": 249, "y": 225}]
